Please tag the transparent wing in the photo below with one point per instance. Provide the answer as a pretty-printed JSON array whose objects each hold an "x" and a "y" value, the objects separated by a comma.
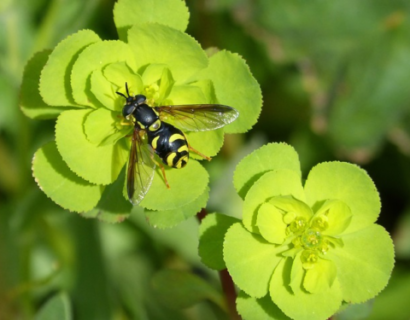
[
  {"x": 140, "y": 170},
  {"x": 198, "y": 117}
]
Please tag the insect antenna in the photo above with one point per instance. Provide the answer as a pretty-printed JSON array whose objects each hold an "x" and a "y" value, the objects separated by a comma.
[
  {"x": 119, "y": 93},
  {"x": 126, "y": 87}
]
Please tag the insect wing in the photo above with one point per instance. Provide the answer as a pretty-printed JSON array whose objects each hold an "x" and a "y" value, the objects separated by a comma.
[
  {"x": 198, "y": 117},
  {"x": 140, "y": 170}
]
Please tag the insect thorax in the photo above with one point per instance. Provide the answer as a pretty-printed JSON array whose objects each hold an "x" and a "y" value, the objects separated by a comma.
[{"x": 145, "y": 116}]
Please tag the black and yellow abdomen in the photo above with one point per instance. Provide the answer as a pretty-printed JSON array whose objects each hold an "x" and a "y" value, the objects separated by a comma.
[{"x": 170, "y": 145}]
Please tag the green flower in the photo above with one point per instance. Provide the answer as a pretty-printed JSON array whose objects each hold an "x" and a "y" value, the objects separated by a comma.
[
  {"x": 83, "y": 170},
  {"x": 305, "y": 249}
]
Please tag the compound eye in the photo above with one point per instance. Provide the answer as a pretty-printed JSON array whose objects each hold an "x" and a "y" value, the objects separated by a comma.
[
  {"x": 155, "y": 126},
  {"x": 127, "y": 110}
]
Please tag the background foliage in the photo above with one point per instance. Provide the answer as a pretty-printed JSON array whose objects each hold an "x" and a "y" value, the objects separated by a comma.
[{"x": 334, "y": 77}]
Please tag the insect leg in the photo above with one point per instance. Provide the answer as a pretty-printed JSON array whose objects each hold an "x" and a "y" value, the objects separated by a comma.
[
  {"x": 163, "y": 173},
  {"x": 198, "y": 153}
]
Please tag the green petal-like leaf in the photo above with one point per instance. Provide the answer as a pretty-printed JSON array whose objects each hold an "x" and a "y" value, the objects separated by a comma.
[
  {"x": 102, "y": 127},
  {"x": 170, "y": 218},
  {"x": 273, "y": 156},
  {"x": 320, "y": 277},
  {"x": 31, "y": 102},
  {"x": 273, "y": 183},
  {"x": 57, "y": 307},
  {"x": 97, "y": 164},
  {"x": 212, "y": 232},
  {"x": 152, "y": 73},
  {"x": 94, "y": 57},
  {"x": 258, "y": 309},
  {"x": 338, "y": 216},
  {"x": 104, "y": 92},
  {"x": 348, "y": 183},
  {"x": 112, "y": 206},
  {"x": 302, "y": 305},
  {"x": 270, "y": 223},
  {"x": 297, "y": 274},
  {"x": 236, "y": 87},
  {"x": 186, "y": 185},
  {"x": 172, "y": 13},
  {"x": 364, "y": 264},
  {"x": 165, "y": 85},
  {"x": 60, "y": 184},
  {"x": 181, "y": 289},
  {"x": 55, "y": 78},
  {"x": 120, "y": 73},
  {"x": 292, "y": 205},
  {"x": 155, "y": 43},
  {"x": 250, "y": 260}
]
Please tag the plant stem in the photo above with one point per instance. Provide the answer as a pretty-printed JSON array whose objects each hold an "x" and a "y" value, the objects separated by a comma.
[
  {"x": 230, "y": 293},
  {"x": 227, "y": 284}
]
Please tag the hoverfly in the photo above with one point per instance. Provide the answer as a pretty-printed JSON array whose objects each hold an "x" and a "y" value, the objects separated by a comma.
[{"x": 165, "y": 140}]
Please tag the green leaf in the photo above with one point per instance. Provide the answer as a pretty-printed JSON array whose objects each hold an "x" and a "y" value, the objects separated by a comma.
[
  {"x": 170, "y": 218},
  {"x": 97, "y": 164},
  {"x": 180, "y": 289},
  {"x": 57, "y": 307},
  {"x": 236, "y": 87},
  {"x": 250, "y": 260},
  {"x": 272, "y": 156},
  {"x": 212, "y": 232},
  {"x": 60, "y": 184},
  {"x": 31, "y": 103},
  {"x": 258, "y": 309},
  {"x": 96, "y": 56},
  {"x": 271, "y": 184},
  {"x": 55, "y": 78},
  {"x": 364, "y": 264},
  {"x": 172, "y": 13},
  {"x": 155, "y": 43},
  {"x": 102, "y": 128},
  {"x": 187, "y": 94},
  {"x": 187, "y": 184},
  {"x": 206, "y": 142},
  {"x": 112, "y": 206},
  {"x": 348, "y": 183},
  {"x": 302, "y": 305}
]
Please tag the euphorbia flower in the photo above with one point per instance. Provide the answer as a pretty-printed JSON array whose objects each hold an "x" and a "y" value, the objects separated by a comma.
[{"x": 308, "y": 247}]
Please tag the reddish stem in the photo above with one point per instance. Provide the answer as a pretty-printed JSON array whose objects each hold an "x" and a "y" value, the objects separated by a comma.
[{"x": 230, "y": 293}]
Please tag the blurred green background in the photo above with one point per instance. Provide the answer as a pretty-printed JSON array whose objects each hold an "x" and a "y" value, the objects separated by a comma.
[{"x": 335, "y": 77}]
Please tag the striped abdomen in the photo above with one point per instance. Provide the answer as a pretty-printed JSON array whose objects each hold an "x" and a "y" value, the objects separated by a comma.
[{"x": 170, "y": 145}]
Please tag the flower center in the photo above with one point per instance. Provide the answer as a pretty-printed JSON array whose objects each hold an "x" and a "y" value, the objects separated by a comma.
[
  {"x": 311, "y": 239},
  {"x": 308, "y": 236}
]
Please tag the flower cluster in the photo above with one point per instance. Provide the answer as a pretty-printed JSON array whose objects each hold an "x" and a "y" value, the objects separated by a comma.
[
  {"x": 301, "y": 250},
  {"x": 77, "y": 83}
]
